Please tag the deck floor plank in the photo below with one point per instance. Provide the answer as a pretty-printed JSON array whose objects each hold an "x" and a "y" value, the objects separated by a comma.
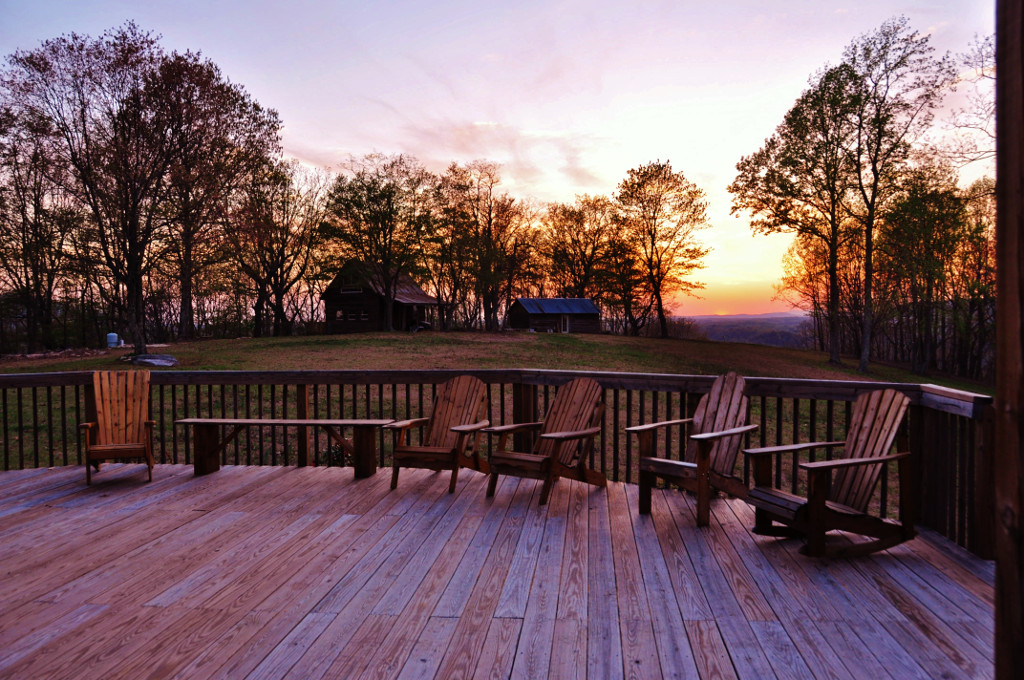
[
  {"x": 604, "y": 636},
  {"x": 260, "y": 572},
  {"x": 533, "y": 654},
  {"x": 670, "y": 633}
]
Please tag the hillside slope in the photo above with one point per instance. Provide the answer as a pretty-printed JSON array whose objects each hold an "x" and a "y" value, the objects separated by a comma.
[{"x": 427, "y": 350}]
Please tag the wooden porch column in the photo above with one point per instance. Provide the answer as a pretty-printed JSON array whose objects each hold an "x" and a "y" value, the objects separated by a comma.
[{"x": 1009, "y": 458}]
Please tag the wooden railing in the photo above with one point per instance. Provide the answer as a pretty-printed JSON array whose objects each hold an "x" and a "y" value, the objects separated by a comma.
[{"x": 950, "y": 431}]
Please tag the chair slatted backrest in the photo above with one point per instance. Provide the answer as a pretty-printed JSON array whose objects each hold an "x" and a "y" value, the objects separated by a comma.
[
  {"x": 459, "y": 401},
  {"x": 577, "y": 406},
  {"x": 122, "y": 406},
  {"x": 722, "y": 408},
  {"x": 873, "y": 425}
]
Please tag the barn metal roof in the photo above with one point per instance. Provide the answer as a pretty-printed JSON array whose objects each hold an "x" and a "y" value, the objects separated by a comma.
[{"x": 558, "y": 305}]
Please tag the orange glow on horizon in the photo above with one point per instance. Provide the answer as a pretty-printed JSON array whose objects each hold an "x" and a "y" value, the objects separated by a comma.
[{"x": 720, "y": 299}]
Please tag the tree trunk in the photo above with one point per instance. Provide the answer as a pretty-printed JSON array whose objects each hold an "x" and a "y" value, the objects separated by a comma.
[
  {"x": 833, "y": 302},
  {"x": 662, "y": 321},
  {"x": 259, "y": 312},
  {"x": 186, "y": 314},
  {"x": 865, "y": 336}
]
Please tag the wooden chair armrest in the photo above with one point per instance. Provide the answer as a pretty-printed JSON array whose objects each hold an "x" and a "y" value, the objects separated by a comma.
[
  {"x": 770, "y": 450},
  {"x": 405, "y": 424},
  {"x": 514, "y": 427},
  {"x": 850, "y": 462},
  {"x": 724, "y": 433},
  {"x": 87, "y": 426},
  {"x": 578, "y": 434},
  {"x": 472, "y": 427},
  {"x": 654, "y": 426}
]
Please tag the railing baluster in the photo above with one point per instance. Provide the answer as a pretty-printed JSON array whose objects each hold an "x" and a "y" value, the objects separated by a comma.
[
  {"x": 7, "y": 434},
  {"x": 35, "y": 426},
  {"x": 64, "y": 423},
  {"x": 629, "y": 423},
  {"x": 618, "y": 429},
  {"x": 812, "y": 427},
  {"x": 21, "y": 430}
]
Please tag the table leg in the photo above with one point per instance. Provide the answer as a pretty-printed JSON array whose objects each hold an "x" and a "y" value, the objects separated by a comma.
[
  {"x": 205, "y": 453},
  {"x": 364, "y": 444}
]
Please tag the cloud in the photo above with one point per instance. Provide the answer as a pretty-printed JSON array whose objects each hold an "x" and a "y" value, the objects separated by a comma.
[{"x": 544, "y": 165}]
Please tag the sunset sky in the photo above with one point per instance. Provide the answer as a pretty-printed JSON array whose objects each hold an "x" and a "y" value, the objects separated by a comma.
[{"x": 567, "y": 95}]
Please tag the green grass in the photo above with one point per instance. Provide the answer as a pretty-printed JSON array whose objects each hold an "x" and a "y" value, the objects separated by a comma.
[{"x": 368, "y": 351}]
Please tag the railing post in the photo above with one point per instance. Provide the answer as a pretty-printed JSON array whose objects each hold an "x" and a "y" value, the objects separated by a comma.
[
  {"x": 302, "y": 412},
  {"x": 918, "y": 447},
  {"x": 524, "y": 410},
  {"x": 982, "y": 536}
]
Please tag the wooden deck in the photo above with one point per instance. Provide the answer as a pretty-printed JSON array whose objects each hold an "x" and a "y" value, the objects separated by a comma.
[{"x": 264, "y": 572}]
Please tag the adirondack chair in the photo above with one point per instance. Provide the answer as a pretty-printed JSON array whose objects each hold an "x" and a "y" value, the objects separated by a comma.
[
  {"x": 566, "y": 439},
  {"x": 122, "y": 429},
  {"x": 839, "y": 491},
  {"x": 452, "y": 435},
  {"x": 709, "y": 457}
]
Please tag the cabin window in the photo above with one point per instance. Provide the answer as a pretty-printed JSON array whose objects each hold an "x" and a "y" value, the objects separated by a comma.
[
  {"x": 364, "y": 316},
  {"x": 353, "y": 316},
  {"x": 351, "y": 289},
  {"x": 339, "y": 315}
]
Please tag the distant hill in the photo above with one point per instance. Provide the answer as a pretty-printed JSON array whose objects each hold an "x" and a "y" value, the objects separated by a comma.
[{"x": 779, "y": 329}]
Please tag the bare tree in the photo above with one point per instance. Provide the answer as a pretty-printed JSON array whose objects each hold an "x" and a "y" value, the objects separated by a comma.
[
  {"x": 37, "y": 218},
  {"x": 574, "y": 242},
  {"x": 379, "y": 214},
  {"x": 103, "y": 100},
  {"x": 221, "y": 135},
  {"x": 272, "y": 234},
  {"x": 974, "y": 124},
  {"x": 898, "y": 84},
  {"x": 662, "y": 212},
  {"x": 802, "y": 180}
]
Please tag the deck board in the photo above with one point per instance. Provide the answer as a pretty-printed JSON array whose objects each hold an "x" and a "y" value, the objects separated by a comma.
[{"x": 260, "y": 572}]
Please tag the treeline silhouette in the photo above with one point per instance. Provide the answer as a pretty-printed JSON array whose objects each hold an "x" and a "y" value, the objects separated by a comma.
[
  {"x": 143, "y": 192},
  {"x": 890, "y": 256}
]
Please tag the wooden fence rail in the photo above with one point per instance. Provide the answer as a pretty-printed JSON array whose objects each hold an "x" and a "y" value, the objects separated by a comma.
[{"x": 950, "y": 430}]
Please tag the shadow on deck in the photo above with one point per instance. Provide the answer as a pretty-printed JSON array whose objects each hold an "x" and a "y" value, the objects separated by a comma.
[{"x": 305, "y": 573}]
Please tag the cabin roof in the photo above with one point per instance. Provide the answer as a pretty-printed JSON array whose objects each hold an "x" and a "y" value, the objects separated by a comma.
[
  {"x": 558, "y": 305},
  {"x": 408, "y": 291}
]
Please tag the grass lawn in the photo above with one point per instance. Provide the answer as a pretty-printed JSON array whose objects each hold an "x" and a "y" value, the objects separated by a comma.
[{"x": 427, "y": 350}]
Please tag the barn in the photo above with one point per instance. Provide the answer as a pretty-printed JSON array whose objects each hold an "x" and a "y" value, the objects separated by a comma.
[
  {"x": 354, "y": 302},
  {"x": 555, "y": 315}
]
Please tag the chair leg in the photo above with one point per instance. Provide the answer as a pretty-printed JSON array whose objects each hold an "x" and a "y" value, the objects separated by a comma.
[
  {"x": 455, "y": 478},
  {"x": 762, "y": 523},
  {"x": 492, "y": 484},
  {"x": 646, "y": 482},
  {"x": 703, "y": 502},
  {"x": 545, "y": 490},
  {"x": 815, "y": 546},
  {"x": 394, "y": 476}
]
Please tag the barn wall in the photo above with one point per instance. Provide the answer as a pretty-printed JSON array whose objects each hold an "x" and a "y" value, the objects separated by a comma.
[{"x": 352, "y": 312}]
